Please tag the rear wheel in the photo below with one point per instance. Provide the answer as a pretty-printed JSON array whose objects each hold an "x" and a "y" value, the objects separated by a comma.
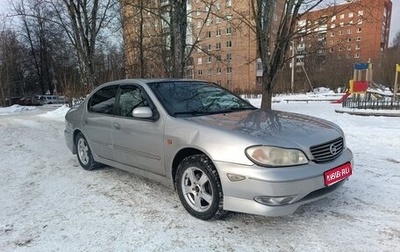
[
  {"x": 199, "y": 187},
  {"x": 84, "y": 153}
]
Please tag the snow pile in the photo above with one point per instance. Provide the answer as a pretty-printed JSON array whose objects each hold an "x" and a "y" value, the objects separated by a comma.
[
  {"x": 16, "y": 109},
  {"x": 58, "y": 113}
]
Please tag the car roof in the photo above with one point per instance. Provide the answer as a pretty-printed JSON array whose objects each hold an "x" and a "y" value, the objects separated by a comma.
[{"x": 147, "y": 81}]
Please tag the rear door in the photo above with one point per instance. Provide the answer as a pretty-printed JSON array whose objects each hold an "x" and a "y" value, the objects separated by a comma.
[
  {"x": 137, "y": 142},
  {"x": 97, "y": 122}
]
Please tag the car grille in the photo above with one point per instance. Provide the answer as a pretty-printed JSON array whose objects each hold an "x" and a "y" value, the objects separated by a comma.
[{"x": 327, "y": 151}]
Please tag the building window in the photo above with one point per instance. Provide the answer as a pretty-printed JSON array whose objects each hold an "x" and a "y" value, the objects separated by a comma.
[
  {"x": 340, "y": 49},
  {"x": 358, "y": 38},
  {"x": 229, "y": 3},
  {"x": 357, "y": 55},
  {"x": 275, "y": 17},
  {"x": 229, "y": 17},
  {"x": 209, "y": 71},
  {"x": 358, "y": 47},
  {"x": 229, "y": 43},
  {"x": 198, "y": 12},
  {"x": 229, "y": 30},
  {"x": 209, "y": 48},
  {"x": 218, "y": 6},
  {"x": 198, "y": 24},
  {"x": 209, "y": 59},
  {"x": 208, "y": 22},
  {"x": 351, "y": 14},
  {"x": 199, "y": 61},
  {"x": 218, "y": 33},
  {"x": 217, "y": 20},
  {"x": 333, "y": 18},
  {"x": 332, "y": 34},
  {"x": 331, "y": 50},
  {"x": 229, "y": 70},
  {"x": 218, "y": 45},
  {"x": 360, "y": 13},
  {"x": 229, "y": 57},
  {"x": 199, "y": 72},
  {"x": 358, "y": 30},
  {"x": 199, "y": 48},
  {"x": 349, "y": 40},
  {"x": 341, "y": 24},
  {"x": 348, "y": 48},
  {"x": 219, "y": 70},
  {"x": 333, "y": 26},
  {"x": 340, "y": 32},
  {"x": 218, "y": 57},
  {"x": 208, "y": 34},
  {"x": 341, "y": 16}
]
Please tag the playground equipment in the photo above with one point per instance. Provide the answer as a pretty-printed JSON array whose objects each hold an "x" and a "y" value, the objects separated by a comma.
[
  {"x": 396, "y": 82},
  {"x": 359, "y": 84}
]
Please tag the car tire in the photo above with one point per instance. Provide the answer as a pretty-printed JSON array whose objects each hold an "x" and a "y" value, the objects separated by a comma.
[
  {"x": 199, "y": 187},
  {"x": 84, "y": 153}
]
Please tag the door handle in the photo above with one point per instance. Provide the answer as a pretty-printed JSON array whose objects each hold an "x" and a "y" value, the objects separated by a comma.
[{"x": 116, "y": 126}]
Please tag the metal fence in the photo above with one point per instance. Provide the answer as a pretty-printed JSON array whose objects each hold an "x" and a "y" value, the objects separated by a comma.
[{"x": 376, "y": 104}]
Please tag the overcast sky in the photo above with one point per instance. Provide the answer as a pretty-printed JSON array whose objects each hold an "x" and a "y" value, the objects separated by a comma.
[{"x": 395, "y": 24}]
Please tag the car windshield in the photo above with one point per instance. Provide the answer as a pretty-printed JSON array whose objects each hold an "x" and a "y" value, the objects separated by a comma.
[{"x": 189, "y": 98}]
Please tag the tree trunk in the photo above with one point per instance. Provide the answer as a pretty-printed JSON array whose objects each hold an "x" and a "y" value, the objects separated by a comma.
[
  {"x": 266, "y": 100},
  {"x": 178, "y": 37}
]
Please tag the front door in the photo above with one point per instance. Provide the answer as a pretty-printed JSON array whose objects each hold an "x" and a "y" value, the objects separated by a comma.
[{"x": 137, "y": 142}]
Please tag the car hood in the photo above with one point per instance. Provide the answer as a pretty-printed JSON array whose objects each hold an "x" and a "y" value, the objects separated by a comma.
[{"x": 273, "y": 127}]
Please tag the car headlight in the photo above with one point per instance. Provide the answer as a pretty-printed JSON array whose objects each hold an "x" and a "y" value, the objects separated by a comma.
[{"x": 275, "y": 156}]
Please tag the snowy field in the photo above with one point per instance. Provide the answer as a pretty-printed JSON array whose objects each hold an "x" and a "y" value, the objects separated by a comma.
[{"x": 49, "y": 203}]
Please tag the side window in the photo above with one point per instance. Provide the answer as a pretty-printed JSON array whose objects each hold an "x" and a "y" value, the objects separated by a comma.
[
  {"x": 103, "y": 100},
  {"x": 130, "y": 98}
]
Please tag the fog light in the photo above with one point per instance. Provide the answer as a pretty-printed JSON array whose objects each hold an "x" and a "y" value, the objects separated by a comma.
[
  {"x": 235, "y": 177},
  {"x": 274, "y": 201}
]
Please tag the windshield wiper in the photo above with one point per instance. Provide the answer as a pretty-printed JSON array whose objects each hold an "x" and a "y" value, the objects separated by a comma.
[
  {"x": 192, "y": 112},
  {"x": 198, "y": 112},
  {"x": 233, "y": 109}
]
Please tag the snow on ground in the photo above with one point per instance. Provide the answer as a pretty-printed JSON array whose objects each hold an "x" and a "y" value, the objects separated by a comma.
[{"x": 49, "y": 203}]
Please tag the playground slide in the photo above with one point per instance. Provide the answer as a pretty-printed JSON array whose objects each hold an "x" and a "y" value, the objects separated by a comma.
[{"x": 343, "y": 98}]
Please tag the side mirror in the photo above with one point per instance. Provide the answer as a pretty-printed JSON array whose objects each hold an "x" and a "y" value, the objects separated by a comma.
[{"x": 142, "y": 112}]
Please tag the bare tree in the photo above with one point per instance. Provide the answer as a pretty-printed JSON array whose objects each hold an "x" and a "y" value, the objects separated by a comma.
[
  {"x": 83, "y": 21},
  {"x": 159, "y": 33},
  {"x": 37, "y": 31},
  {"x": 385, "y": 73},
  {"x": 12, "y": 82},
  {"x": 273, "y": 48}
]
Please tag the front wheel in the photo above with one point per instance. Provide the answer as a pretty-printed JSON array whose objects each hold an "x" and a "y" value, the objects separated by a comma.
[
  {"x": 84, "y": 153},
  {"x": 199, "y": 187}
]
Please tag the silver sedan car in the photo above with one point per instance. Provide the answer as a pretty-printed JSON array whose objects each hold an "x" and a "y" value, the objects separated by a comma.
[{"x": 215, "y": 149}]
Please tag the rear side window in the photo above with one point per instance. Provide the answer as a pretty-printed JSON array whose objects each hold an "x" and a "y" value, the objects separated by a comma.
[{"x": 103, "y": 101}]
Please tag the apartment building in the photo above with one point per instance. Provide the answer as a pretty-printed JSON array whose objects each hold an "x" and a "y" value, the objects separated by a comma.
[
  {"x": 227, "y": 51},
  {"x": 356, "y": 30},
  {"x": 224, "y": 47}
]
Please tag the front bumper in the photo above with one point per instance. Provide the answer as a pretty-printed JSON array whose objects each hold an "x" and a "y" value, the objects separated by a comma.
[{"x": 299, "y": 185}]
